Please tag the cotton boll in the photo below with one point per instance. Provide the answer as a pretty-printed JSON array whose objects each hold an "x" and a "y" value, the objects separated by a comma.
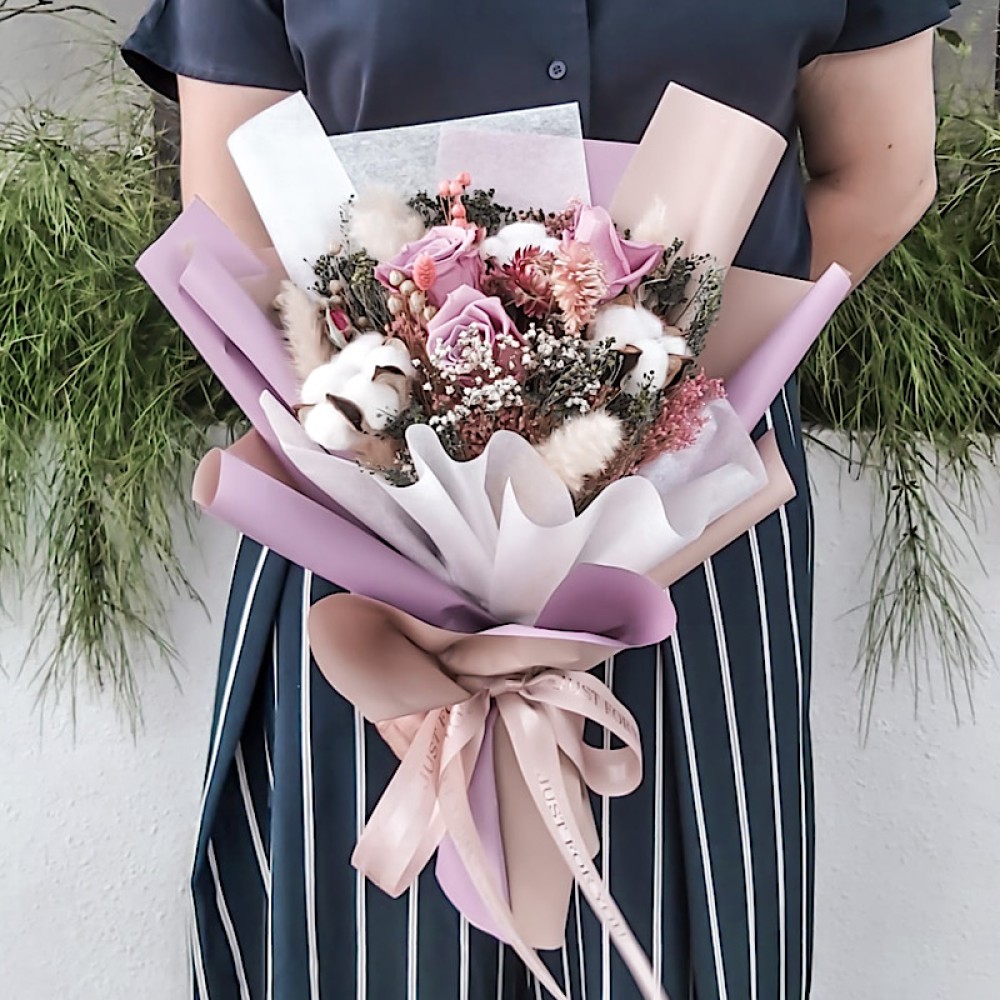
[
  {"x": 651, "y": 371},
  {"x": 382, "y": 224},
  {"x": 327, "y": 380},
  {"x": 378, "y": 401},
  {"x": 625, "y": 326},
  {"x": 330, "y": 429},
  {"x": 302, "y": 321},
  {"x": 517, "y": 236},
  {"x": 583, "y": 447},
  {"x": 392, "y": 354}
]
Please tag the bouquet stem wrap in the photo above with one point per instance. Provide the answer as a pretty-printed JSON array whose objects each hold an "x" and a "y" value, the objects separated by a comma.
[{"x": 535, "y": 682}]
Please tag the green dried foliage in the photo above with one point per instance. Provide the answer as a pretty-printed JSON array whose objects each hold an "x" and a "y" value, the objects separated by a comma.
[
  {"x": 103, "y": 403},
  {"x": 910, "y": 371}
]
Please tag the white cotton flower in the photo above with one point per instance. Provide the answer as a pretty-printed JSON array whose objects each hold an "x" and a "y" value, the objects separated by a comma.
[
  {"x": 654, "y": 226},
  {"x": 651, "y": 371},
  {"x": 325, "y": 424},
  {"x": 379, "y": 401},
  {"x": 392, "y": 354},
  {"x": 582, "y": 447},
  {"x": 330, "y": 378},
  {"x": 660, "y": 347},
  {"x": 382, "y": 224},
  {"x": 625, "y": 326},
  {"x": 359, "y": 392},
  {"x": 517, "y": 236}
]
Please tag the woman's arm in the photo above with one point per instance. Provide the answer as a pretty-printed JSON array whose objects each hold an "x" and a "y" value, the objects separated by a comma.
[
  {"x": 868, "y": 126},
  {"x": 210, "y": 113}
]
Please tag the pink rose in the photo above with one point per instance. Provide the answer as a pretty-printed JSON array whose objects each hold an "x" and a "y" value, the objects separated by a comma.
[
  {"x": 625, "y": 263},
  {"x": 470, "y": 332},
  {"x": 455, "y": 254}
]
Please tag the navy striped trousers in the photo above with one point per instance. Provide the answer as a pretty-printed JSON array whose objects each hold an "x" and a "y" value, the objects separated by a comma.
[{"x": 711, "y": 859}]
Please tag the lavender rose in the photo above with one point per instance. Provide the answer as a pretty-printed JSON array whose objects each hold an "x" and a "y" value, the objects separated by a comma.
[
  {"x": 473, "y": 335},
  {"x": 455, "y": 254},
  {"x": 623, "y": 262}
]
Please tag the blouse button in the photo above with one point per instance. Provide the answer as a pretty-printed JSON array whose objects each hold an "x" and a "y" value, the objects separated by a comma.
[{"x": 557, "y": 69}]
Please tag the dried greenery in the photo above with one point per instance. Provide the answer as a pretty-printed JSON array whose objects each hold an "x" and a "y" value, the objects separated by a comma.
[
  {"x": 910, "y": 371},
  {"x": 9, "y": 9},
  {"x": 103, "y": 403}
]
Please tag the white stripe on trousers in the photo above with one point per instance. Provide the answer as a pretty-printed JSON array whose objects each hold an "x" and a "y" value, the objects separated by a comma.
[
  {"x": 227, "y": 925},
  {"x": 412, "y": 939},
  {"x": 227, "y": 693},
  {"x": 699, "y": 813},
  {"x": 779, "y": 833},
  {"x": 800, "y": 721},
  {"x": 308, "y": 819},
  {"x": 360, "y": 903},
  {"x": 658, "y": 832},
  {"x": 251, "y": 814},
  {"x": 738, "y": 775},
  {"x": 609, "y": 679}
]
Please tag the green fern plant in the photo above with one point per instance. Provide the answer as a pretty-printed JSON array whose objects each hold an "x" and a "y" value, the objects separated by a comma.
[{"x": 103, "y": 403}]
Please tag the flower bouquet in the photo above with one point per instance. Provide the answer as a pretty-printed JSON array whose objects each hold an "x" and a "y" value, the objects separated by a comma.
[{"x": 504, "y": 417}]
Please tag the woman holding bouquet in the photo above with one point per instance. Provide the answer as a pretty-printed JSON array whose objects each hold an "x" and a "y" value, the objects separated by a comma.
[{"x": 712, "y": 859}]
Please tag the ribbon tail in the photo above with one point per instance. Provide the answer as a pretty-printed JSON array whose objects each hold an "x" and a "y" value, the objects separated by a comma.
[
  {"x": 457, "y": 813},
  {"x": 406, "y": 828},
  {"x": 538, "y": 757}
]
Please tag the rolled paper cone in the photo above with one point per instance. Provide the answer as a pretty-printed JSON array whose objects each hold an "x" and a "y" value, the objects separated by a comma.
[
  {"x": 197, "y": 231},
  {"x": 708, "y": 165},
  {"x": 250, "y": 494},
  {"x": 754, "y": 304},
  {"x": 756, "y": 384}
]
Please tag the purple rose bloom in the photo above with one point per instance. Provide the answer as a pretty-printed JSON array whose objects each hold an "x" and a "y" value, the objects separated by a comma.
[
  {"x": 489, "y": 335},
  {"x": 455, "y": 253},
  {"x": 624, "y": 263}
]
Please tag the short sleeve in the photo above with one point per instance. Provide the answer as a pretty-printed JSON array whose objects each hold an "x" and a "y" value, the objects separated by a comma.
[
  {"x": 871, "y": 23},
  {"x": 224, "y": 41}
]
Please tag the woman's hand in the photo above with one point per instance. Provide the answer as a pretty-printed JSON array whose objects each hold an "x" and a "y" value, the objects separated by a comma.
[{"x": 868, "y": 125}]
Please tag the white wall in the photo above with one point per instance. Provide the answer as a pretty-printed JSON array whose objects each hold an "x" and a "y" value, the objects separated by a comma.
[{"x": 96, "y": 830}]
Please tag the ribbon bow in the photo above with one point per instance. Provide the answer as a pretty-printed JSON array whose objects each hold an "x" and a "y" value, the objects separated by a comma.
[{"x": 507, "y": 706}]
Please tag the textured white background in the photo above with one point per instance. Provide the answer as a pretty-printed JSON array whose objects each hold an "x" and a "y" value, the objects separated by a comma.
[{"x": 96, "y": 829}]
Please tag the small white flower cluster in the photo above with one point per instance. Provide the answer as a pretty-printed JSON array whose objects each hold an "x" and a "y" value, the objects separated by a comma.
[
  {"x": 662, "y": 349},
  {"x": 558, "y": 353},
  {"x": 360, "y": 391},
  {"x": 470, "y": 366}
]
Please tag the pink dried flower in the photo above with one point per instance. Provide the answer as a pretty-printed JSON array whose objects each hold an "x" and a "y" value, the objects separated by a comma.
[
  {"x": 424, "y": 272},
  {"x": 578, "y": 285},
  {"x": 525, "y": 282},
  {"x": 681, "y": 419}
]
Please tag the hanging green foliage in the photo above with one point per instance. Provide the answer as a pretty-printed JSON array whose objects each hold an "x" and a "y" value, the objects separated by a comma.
[
  {"x": 103, "y": 404},
  {"x": 910, "y": 371}
]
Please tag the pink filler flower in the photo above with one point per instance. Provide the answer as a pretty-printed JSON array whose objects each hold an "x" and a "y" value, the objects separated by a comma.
[{"x": 624, "y": 263}]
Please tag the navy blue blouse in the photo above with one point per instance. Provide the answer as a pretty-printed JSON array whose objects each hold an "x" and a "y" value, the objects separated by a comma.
[{"x": 368, "y": 64}]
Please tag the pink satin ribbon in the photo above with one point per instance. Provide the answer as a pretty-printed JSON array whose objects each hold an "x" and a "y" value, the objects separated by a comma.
[{"x": 544, "y": 714}]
